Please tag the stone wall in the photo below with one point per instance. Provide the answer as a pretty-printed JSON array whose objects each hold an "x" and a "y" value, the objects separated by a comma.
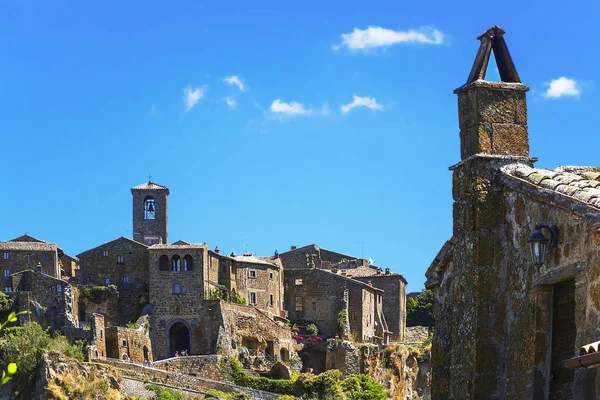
[
  {"x": 493, "y": 309},
  {"x": 265, "y": 284},
  {"x": 243, "y": 323},
  {"x": 102, "y": 300},
  {"x": 394, "y": 301},
  {"x": 97, "y": 347},
  {"x": 23, "y": 256},
  {"x": 207, "y": 367},
  {"x": 133, "y": 343},
  {"x": 49, "y": 299},
  {"x": 120, "y": 261},
  {"x": 176, "y": 297}
]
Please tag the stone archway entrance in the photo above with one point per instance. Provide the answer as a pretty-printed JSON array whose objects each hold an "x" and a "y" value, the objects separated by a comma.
[{"x": 179, "y": 339}]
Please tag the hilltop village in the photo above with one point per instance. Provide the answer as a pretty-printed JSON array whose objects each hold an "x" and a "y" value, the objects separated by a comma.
[
  {"x": 144, "y": 299},
  {"x": 516, "y": 287}
]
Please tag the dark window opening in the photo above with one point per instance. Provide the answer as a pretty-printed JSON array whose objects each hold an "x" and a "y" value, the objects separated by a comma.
[
  {"x": 163, "y": 263},
  {"x": 188, "y": 263},
  {"x": 176, "y": 263}
]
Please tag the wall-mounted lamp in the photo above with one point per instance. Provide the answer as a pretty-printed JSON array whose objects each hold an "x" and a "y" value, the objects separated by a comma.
[{"x": 539, "y": 243}]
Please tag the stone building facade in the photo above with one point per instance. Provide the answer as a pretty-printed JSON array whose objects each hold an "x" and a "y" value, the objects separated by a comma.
[
  {"x": 16, "y": 256},
  {"x": 319, "y": 283},
  {"x": 177, "y": 277},
  {"x": 504, "y": 326},
  {"x": 129, "y": 344},
  {"x": 50, "y": 300},
  {"x": 119, "y": 262}
]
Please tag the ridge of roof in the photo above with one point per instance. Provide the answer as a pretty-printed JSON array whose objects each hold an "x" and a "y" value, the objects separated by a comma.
[
  {"x": 150, "y": 186},
  {"x": 112, "y": 241},
  {"x": 28, "y": 238}
]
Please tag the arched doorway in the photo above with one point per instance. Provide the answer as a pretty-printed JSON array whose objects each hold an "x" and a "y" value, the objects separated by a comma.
[
  {"x": 146, "y": 354},
  {"x": 284, "y": 355},
  {"x": 179, "y": 339}
]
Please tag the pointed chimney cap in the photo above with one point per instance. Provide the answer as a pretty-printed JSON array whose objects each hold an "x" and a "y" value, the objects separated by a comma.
[{"x": 493, "y": 40}]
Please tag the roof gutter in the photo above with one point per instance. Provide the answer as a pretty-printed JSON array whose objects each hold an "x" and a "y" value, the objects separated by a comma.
[{"x": 585, "y": 361}]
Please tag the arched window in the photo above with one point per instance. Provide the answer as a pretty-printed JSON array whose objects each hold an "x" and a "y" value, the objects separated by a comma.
[
  {"x": 149, "y": 208},
  {"x": 176, "y": 263},
  {"x": 163, "y": 263},
  {"x": 188, "y": 263}
]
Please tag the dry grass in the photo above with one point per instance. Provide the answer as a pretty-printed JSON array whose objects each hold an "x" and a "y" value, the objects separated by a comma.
[{"x": 70, "y": 387}]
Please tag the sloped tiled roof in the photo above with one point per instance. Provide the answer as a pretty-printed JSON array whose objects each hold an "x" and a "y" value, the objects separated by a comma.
[
  {"x": 122, "y": 238},
  {"x": 181, "y": 243},
  {"x": 149, "y": 185},
  {"x": 26, "y": 238},
  {"x": 580, "y": 184},
  {"x": 28, "y": 246},
  {"x": 254, "y": 260}
]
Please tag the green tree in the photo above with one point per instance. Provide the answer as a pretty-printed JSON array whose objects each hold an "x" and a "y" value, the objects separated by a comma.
[
  {"x": 419, "y": 309},
  {"x": 6, "y": 303}
]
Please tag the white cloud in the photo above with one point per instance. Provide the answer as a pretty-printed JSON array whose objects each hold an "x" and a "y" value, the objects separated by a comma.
[
  {"x": 357, "y": 101},
  {"x": 235, "y": 80},
  {"x": 376, "y": 36},
  {"x": 325, "y": 110},
  {"x": 563, "y": 87},
  {"x": 231, "y": 102},
  {"x": 293, "y": 108},
  {"x": 191, "y": 96}
]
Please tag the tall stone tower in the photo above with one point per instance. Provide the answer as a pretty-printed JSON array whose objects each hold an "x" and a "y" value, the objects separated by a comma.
[
  {"x": 469, "y": 349},
  {"x": 150, "y": 213}
]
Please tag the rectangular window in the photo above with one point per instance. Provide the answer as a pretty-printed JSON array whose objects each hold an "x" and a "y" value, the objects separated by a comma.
[
  {"x": 314, "y": 304},
  {"x": 176, "y": 288},
  {"x": 251, "y": 273},
  {"x": 125, "y": 279},
  {"x": 107, "y": 281},
  {"x": 8, "y": 289},
  {"x": 6, "y": 273},
  {"x": 45, "y": 272},
  {"x": 270, "y": 275},
  {"x": 120, "y": 259},
  {"x": 253, "y": 298},
  {"x": 353, "y": 315},
  {"x": 59, "y": 288},
  {"x": 298, "y": 282},
  {"x": 299, "y": 303},
  {"x": 271, "y": 299},
  {"x": 100, "y": 333},
  {"x": 105, "y": 253},
  {"x": 6, "y": 255},
  {"x": 124, "y": 342},
  {"x": 45, "y": 257},
  {"x": 28, "y": 259}
]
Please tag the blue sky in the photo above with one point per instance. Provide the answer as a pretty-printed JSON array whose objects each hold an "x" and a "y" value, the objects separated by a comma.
[{"x": 273, "y": 124}]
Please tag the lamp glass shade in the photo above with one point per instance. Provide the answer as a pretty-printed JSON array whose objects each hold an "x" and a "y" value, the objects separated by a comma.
[{"x": 539, "y": 247}]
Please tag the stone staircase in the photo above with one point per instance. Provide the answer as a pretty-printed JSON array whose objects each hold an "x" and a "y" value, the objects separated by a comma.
[{"x": 179, "y": 380}]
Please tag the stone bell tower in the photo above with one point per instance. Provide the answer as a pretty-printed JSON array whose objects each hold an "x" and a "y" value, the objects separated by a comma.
[{"x": 150, "y": 213}]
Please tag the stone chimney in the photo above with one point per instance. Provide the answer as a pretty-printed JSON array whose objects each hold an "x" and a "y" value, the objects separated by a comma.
[{"x": 493, "y": 115}]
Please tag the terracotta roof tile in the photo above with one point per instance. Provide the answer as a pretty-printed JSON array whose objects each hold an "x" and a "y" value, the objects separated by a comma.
[
  {"x": 28, "y": 246},
  {"x": 581, "y": 184},
  {"x": 149, "y": 185}
]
